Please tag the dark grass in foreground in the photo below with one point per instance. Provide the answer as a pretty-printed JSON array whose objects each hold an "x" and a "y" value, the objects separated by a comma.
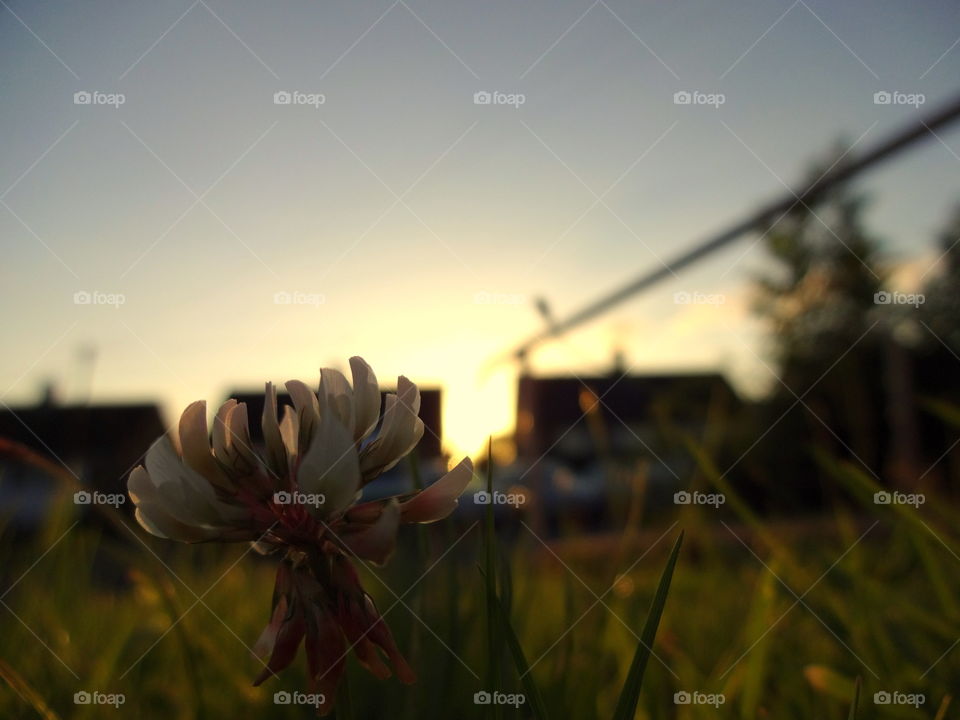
[{"x": 880, "y": 600}]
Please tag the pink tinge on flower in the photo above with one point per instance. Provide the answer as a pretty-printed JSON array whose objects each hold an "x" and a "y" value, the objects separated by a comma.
[
  {"x": 326, "y": 656},
  {"x": 263, "y": 647},
  {"x": 282, "y": 590},
  {"x": 376, "y": 540},
  {"x": 363, "y": 627},
  {"x": 286, "y": 643},
  {"x": 440, "y": 499},
  {"x": 298, "y": 494}
]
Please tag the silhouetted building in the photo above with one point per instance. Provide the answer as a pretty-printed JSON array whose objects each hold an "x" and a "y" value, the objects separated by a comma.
[
  {"x": 99, "y": 444},
  {"x": 579, "y": 421}
]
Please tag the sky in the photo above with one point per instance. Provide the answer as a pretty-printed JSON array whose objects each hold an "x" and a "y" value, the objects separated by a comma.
[{"x": 224, "y": 237}]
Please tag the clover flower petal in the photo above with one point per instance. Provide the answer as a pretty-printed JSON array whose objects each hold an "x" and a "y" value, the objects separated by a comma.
[{"x": 298, "y": 495}]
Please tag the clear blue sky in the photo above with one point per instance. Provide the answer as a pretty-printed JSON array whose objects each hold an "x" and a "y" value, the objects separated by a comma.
[{"x": 399, "y": 199}]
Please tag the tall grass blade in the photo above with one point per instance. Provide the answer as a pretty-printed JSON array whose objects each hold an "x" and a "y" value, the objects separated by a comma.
[
  {"x": 494, "y": 639},
  {"x": 630, "y": 695},
  {"x": 756, "y": 665},
  {"x": 534, "y": 698},
  {"x": 856, "y": 700},
  {"x": 26, "y": 692},
  {"x": 942, "y": 710},
  {"x": 409, "y": 700}
]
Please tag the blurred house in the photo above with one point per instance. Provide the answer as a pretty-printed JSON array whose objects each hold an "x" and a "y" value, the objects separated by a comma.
[
  {"x": 579, "y": 421},
  {"x": 583, "y": 444},
  {"x": 429, "y": 448},
  {"x": 100, "y": 444}
]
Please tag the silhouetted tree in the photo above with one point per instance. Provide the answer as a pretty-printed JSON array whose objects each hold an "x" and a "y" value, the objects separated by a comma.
[
  {"x": 827, "y": 342},
  {"x": 935, "y": 335},
  {"x": 940, "y": 312}
]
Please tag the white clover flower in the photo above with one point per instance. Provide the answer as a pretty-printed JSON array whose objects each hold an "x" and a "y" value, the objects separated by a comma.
[{"x": 300, "y": 495}]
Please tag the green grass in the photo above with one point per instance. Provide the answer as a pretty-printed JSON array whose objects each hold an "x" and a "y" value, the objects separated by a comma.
[{"x": 879, "y": 593}]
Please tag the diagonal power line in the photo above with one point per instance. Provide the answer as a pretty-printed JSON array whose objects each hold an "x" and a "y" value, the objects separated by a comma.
[{"x": 810, "y": 195}]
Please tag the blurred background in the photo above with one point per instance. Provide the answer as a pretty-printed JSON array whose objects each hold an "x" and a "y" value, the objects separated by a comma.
[{"x": 196, "y": 198}]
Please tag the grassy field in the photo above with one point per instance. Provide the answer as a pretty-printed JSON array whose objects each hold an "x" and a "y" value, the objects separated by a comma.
[{"x": 762, "y": 620}]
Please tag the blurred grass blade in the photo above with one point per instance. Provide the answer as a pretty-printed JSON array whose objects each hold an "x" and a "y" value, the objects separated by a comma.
[
  {"x": 856, "y": 699},
  {"x": 924, "y": 537},
  {"x": 944, "y": 704},
  {"x": 756, "y": 666},
  {"x": 410, "y": 700},
  {"x": 737, "y": 504},
  {"x": 627, "y": 704},
  {"x": 494, "y": 639},
  {"x": 828, "y": 681},
  {"x": 505, "y": 583},
  {"x": 945, "y": 411},
  {"x": 534, "y": 698},
  {"x": 26, "y": 691}
]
